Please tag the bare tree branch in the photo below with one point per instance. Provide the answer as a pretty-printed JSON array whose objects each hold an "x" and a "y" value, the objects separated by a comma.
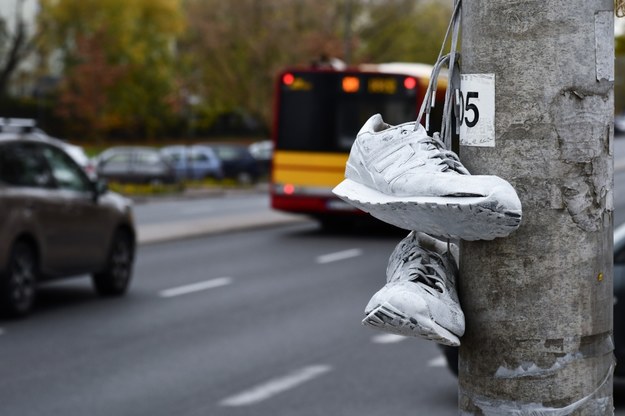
[{"x": 19, "y": 46}]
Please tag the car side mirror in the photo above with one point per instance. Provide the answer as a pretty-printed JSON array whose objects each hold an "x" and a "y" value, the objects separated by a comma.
[{"x": 100, "y": 187}]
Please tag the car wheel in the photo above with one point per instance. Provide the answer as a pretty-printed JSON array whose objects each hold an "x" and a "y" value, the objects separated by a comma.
[
  {"x": 18, "y": 283},
  {"x": 115, "y": 278}
]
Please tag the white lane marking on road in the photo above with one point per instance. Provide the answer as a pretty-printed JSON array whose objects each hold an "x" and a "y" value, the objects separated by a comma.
[
  {"x": 388, "y": 339},
  {"x": 276, "y": 386},
  {"x": 439, "y": 361},
  {"x": 195, "y": 287},
  {"x": 196, "y": 210},
  {"x": 339, "y": 255}
]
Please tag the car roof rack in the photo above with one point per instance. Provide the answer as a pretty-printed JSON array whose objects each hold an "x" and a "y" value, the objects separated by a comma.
[{"x": 17, "y": 125}]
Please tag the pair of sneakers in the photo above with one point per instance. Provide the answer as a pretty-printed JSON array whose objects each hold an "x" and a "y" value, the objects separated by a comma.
[{"x": 406, "y": 178}]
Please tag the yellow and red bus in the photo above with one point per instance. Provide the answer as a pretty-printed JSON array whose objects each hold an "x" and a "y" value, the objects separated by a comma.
[{"x": 317, "y": 113}]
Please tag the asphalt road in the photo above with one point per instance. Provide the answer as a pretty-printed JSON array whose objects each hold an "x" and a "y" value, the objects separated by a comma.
[
  {"x": 263, "y": 322},
  {"x": 202, "y": 205},
  {"x": 210, "y": 214}
]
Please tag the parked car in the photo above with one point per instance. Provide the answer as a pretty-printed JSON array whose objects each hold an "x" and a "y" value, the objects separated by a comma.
[
  {"x": 57, "y": 222},
  {"x": 27, "y": 125},
  {"x": 194, "y": 162},
  {"x": 451, "y": 353},
  {"x": 237, "y": 162},
  {"x": 135, "y": 164},
  {"x": 263, "y": 153}
]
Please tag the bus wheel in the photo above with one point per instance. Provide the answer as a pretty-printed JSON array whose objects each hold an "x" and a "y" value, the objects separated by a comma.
[{"x": 335, "y": 222}]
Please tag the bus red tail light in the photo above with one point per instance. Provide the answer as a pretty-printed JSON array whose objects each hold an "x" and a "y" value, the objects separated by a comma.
[
  {"x": 288, "y": 189},
  {"x": 410, "y": 83},
  {"x": 288, "y": 79}
]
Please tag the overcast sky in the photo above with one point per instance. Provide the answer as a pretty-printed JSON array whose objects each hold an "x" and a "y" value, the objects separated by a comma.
[{"x": 7, "y": 10}]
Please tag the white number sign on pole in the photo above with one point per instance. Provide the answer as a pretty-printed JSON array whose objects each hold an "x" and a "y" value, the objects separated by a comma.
[{"x": 477, "y": 110}]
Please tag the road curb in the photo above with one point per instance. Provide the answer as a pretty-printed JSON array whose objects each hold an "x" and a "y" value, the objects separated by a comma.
[
  {"x": 199, "y": 193},
  {"x": 158, "y": 233}
]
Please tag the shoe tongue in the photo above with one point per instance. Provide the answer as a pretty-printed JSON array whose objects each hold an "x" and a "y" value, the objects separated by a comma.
[{"x": 374, "y": 125}]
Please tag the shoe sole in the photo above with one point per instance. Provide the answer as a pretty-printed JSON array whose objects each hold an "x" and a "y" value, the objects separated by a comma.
[
  {"x": 387, "y": 318},
  {"x": 468, "y": 218}
]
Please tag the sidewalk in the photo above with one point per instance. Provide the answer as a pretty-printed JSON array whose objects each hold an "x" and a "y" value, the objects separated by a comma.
[
  {"x": 148, "y": 234},
  {"x": 201, "y": 192},
  {"x": 176, "y": 230}
]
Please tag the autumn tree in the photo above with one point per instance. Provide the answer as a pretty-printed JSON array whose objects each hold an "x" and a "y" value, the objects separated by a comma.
[
  {"x": 234, "y": 49},
  {"x": 119, "y": 55},
  {"x": 227, "y": 58},
  {"x": 403, "y": 30},
  {"x": 84, "y": 92}
]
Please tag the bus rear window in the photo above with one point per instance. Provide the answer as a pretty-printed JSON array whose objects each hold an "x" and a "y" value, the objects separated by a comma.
[{"x": 323, "y": 111}]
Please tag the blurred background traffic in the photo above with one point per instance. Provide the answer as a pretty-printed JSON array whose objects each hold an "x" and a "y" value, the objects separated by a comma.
[
  {"x": 163, "y": 70},
  {"x": 163, "y": 73}
]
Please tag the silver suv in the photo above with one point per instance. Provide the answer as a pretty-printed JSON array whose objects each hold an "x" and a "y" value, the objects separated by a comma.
[{"x": 57, "y": 222}]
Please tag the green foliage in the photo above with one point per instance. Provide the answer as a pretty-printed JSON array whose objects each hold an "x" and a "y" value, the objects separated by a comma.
[
  {"x": 234, "y": 49},
  {"x": 404, "y": 30},
  {"x": 619, "y": 69},
  {"x": 135, "y": 189},
  {"x": 138, "y": 68},
  {"x": 619, "y": 45},
  {"x": 134, "y": 67},
  {"x": 118, "y": 60}
]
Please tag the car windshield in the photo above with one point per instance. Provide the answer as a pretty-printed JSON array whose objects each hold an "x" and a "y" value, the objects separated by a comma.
[
  {"x": 227, "y": 153},
  {"x": 117, "y": 158},
  {"x": 148, "y": 158},
  {"x": 77, "y": 153},
  {"x": 67, "y": 174}
]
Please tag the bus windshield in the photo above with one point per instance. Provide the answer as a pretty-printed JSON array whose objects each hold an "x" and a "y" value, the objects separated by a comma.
[{"x": 323, "y": 110}]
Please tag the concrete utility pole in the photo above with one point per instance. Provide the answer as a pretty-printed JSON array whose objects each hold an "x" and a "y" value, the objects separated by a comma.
[{"x": 538, "y": 304}]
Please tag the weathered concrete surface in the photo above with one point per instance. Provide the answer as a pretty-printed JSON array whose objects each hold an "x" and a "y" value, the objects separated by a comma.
[{"x": 538, "y": 304}]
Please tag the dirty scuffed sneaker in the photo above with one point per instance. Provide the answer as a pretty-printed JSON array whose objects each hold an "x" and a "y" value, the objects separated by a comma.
[
  {"x": 419, "y": 298},
  {"x": 406, "y": 178}
]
